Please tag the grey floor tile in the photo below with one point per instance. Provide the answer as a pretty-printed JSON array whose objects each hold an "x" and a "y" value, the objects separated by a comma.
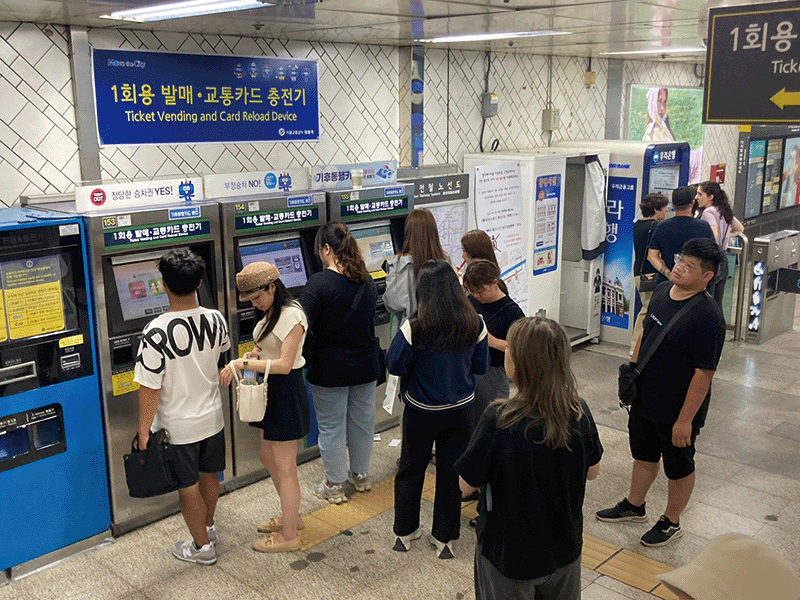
[
  {"x": 200, "y": 583},
  {"x": 595, "y": 591},
  {"x": 785, "y": 543},
  {"x": 708, "y": 521},
  {"x": 746, "y": 502},
  {"x": 83, "y": 578}
]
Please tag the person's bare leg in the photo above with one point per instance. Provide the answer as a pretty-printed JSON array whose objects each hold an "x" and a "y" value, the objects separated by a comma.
[
  {"x": 193, "y": 509},
  {"x": 679, "y": 491},
  {"x": 643, "y": 475},
  {"x": 209, "y": 490},
  {"x": 288, "y": 486}
]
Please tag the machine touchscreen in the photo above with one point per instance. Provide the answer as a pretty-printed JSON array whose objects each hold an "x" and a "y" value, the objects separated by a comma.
[
  {"x": 140, "y": 289},
  {"x": 286, "y": 255},
  {"x": 375, "y": 243}
]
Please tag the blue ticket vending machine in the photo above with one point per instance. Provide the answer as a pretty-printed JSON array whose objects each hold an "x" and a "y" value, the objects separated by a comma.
[{"x": 53, "y": 475}]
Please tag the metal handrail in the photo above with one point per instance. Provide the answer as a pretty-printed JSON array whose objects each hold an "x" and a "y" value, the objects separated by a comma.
[{"x": 742, "y": 250}]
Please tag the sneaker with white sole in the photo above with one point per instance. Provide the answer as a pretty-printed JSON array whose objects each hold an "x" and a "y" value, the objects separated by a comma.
[
  {"x": 443, "y": 549},
  {"x": 402, "y": 543},
  {"x": 189, "y": 552},
  {"x": 663, "y": 532},
  {"x": 333, "y": 494},
  {"x": 212, "y": 534},
  {"x": 361, "y": 482},
  {"x": 622, "y": 511}
]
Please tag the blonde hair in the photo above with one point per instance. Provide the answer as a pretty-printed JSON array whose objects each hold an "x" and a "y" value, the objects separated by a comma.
[{"x": 547, "y": 392}]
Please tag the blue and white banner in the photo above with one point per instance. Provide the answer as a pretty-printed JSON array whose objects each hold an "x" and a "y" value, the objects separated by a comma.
[
  {"x": 618, "y": 268},
  {"x": 169, "y": 98},
  {"x": 338, "y": 177},
  {"x": 114, "y": 196},
  {"x": 234, "y": 185}
]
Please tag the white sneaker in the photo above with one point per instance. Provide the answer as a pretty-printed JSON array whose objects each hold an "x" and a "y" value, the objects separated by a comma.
[
  {"x": 212, "y": 534},
  {"x": 333, "y": 494},
  {"x": 443, "y": 549},
  {"x": 361, "y": 482},
  {"x": 402, "y": 543},
  {"x": 186, "y": 551}
]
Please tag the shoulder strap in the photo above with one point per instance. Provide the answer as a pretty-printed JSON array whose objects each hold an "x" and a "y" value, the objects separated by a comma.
[
  {"x": 647, "y": 244},
  {"x": 640, "y": 364},
  {"x": 353, "y": 306}
]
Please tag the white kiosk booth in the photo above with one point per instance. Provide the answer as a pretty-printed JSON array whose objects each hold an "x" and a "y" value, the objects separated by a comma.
[
  {"x": 544, "y": 209},
  {"x": 635, "y": 170}
]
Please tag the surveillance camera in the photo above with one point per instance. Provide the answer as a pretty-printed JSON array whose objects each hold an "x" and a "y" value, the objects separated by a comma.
[
  {"x": 258, "y": 26},
  {"x": 663, "y": 57},
  {"x": 510, "y": 43}
]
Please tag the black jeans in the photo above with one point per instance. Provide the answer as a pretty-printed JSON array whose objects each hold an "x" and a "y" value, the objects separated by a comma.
[{"x": 450, "y": 430}]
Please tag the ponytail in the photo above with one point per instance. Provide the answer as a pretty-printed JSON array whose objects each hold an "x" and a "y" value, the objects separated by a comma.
[{"x": 345, "y": 250}]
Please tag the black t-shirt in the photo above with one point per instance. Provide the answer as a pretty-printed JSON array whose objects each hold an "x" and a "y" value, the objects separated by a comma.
[
  {"x": 694, "y": 342},
  {"x": 671, "y": 234},
  {"x": 531, "y": 508},
  {"x": 498, "y": 316},
  {"x": 342, "y": 353},
  {"x": 641, "y": 230}
]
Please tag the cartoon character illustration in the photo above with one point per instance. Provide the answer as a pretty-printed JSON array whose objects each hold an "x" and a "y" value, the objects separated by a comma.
[
  {"x": 238, "y": 71},
  {"x": 385, "y": 172},
  {"x": 186, "y": 190},
  {"x": 253, "y": 70},
  {"x": 285, "y": 182}
]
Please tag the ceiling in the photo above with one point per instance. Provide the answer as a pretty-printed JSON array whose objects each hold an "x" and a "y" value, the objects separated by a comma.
[{"x": 595, "y": 26}]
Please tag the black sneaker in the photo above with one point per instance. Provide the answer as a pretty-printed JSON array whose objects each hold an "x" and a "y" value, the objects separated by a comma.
[
  {"x": 662, "y": 533},
  {"x": 623, "y": 511}
]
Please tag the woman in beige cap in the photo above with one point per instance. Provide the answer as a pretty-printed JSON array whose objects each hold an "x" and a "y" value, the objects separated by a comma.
[
  {"x": 734, "y": 566},
  {"x": 278, "y": 335}
]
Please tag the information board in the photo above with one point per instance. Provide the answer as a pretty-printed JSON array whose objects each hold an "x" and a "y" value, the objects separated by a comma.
[
  {"x": 171, "y": 98},
  {"x": 755, "y": 45}
]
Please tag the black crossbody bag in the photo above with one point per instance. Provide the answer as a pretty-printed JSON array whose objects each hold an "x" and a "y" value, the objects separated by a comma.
[{"x": 629, "y": 372}]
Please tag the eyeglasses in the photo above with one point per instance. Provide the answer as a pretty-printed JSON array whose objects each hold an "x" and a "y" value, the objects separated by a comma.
[{"x": 679, "y": 259}]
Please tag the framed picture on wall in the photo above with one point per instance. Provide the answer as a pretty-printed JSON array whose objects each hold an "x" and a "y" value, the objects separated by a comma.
[{"x": 668, "y": 114}]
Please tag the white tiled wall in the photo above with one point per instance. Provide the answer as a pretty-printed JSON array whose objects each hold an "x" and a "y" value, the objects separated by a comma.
[{"x": 363, "y": 99}]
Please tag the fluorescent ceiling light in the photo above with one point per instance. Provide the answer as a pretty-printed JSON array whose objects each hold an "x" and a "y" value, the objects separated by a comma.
[
  {"x": 665, "y": 50},
  {"x": 481, "y": 37},
  {"x": 178, "y": 10}
]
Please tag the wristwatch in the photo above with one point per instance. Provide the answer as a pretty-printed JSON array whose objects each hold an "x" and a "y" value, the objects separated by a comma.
[{"x": 245, "y": 362}]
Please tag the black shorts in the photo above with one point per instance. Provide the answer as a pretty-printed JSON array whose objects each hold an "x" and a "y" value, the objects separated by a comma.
[
  {"x": 650, "y": 441},
  {"x": 205, "y": 456}
]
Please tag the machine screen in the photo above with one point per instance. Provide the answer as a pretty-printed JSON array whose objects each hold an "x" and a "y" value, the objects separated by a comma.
[
  {"x": 664, "y": 179},
  {"x": 31, "y": 298},
  {"x": 140, "y": 289},
  {"x": 284, "y": 254},
  {"x": 376, "y": 245}
]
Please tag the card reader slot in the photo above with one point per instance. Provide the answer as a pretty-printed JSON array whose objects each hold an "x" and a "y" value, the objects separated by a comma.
[{"x": 16, "y": 373}]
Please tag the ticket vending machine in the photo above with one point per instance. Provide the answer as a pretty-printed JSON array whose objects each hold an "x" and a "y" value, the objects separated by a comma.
[
  {"x": 635, "y": 169},
  {"x": 279, "y": 230},
  {"x": 53, "y": 476},
  {"x": 125, "y": 246},
  {"x": 376, "y": 217}
]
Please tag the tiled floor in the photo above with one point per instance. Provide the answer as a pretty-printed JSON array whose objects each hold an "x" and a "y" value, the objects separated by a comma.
[{"x": 748, "y": 481}]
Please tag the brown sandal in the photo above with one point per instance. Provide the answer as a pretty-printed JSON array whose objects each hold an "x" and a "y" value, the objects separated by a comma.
[
  {"x": 268, "y": 545},
  {"x": 272, "y": 525}
]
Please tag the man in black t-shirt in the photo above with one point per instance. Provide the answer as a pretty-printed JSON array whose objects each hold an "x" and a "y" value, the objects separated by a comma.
[{"x": 674, "y": 389}]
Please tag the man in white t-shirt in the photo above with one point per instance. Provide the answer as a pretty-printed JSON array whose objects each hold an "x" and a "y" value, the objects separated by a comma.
[{"x": 177, "y": 369}]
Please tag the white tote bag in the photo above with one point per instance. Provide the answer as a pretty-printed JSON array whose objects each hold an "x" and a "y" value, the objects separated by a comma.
[{"x": 251, "y": 400}]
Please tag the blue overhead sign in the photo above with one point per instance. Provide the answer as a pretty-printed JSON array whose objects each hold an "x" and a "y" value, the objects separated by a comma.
[{"x": 167, "y": 98}]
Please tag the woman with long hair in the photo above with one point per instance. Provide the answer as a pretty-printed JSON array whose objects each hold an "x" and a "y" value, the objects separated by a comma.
[
  {"x": 716, "y": 210},
  {"x": 420, "y": 244},
  {"x": 278, "y": 336},
  {"x": 489, "y": 297},
  {"x": 531, "y": 456},
  {"x": 436, "y": 353},
  {"x": 476, "y": 243},
  {"x": 654, "y": 210},
  {"x": 340, "y": 302}
]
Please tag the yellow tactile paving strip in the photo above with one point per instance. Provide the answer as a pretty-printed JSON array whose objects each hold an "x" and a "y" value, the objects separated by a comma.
[{"x": 623, "y": 565}]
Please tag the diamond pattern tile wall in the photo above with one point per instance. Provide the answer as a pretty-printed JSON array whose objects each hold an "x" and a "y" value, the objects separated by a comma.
[
  {"x": 38, "y": 138},
  {"x": 364, "y": 94}
]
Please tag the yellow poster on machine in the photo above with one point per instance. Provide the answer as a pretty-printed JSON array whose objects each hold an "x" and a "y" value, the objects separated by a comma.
[
  {"x": 3, "y": 329},
  {"x": 33, "y": 297}
]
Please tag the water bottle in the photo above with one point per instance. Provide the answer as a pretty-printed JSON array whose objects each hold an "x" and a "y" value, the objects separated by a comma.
[{"x": 249, "y": 377}]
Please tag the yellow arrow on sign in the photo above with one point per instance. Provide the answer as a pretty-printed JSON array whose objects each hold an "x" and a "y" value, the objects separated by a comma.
[{"x": 784, "y": 98}]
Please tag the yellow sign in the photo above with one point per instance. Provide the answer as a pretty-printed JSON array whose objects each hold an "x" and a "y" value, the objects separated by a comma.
[
  {"x": 73, "y": 340},
  {"x": 33, "y": 297},
  {"x": 246, "y": 347},
  {"x": 3, "y": 329},
  {"x": 123, "y": 383}
]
